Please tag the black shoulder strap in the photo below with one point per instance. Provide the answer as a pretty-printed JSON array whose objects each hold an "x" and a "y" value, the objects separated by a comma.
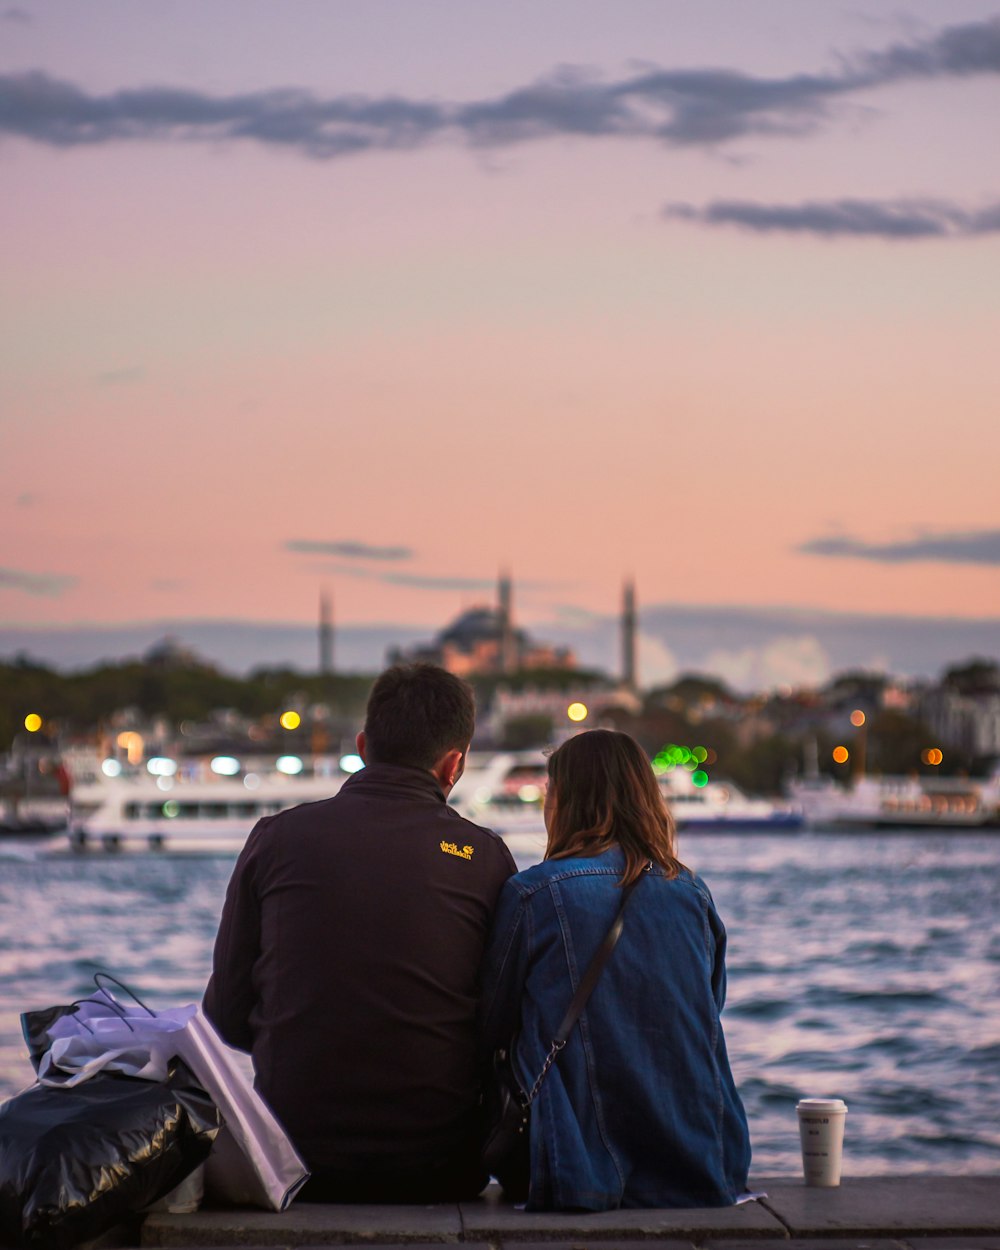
[{"x": 584, "y": 990}]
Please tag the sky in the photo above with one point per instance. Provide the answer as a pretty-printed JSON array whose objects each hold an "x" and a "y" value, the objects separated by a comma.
[{"x": 378, "y": 298}]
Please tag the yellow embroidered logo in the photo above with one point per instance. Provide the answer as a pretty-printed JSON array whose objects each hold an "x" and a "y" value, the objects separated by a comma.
[{"x": 451, "y": 848}]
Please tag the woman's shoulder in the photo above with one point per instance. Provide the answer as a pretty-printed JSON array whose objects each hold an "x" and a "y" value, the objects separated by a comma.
[
  {"x": 552, "y": 871},
  {"x": 595, "y": 869}
]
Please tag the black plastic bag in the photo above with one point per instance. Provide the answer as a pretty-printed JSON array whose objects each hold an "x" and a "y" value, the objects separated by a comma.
[{"x": 74, "y": 1162}]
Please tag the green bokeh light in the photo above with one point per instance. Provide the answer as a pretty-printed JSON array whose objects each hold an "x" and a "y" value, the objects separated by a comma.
[
  {"x": 699, "y": 778},
  {"x": 673, "y": 755}
]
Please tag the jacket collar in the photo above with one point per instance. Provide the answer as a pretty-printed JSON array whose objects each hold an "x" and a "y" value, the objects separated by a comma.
[{"x": 396, "y": 781}]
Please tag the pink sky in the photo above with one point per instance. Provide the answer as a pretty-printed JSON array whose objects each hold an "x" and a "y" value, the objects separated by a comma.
[{"x": 504, "y": 354}]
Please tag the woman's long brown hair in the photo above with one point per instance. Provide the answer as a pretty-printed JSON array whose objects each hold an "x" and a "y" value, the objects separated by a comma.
[{"x": 605, "y": 794}]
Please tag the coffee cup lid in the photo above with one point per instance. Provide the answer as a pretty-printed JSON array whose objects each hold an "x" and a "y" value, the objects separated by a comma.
[{"x": 821, "y": 1104}]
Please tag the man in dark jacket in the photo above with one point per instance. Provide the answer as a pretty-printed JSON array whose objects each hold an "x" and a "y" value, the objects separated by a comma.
[{"x": 347, "y": 959}]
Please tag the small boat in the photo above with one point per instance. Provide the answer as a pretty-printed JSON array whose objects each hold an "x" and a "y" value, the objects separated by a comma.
[
  {"x": 722, "y": 807},
  {"x": 17, "y": 824}
]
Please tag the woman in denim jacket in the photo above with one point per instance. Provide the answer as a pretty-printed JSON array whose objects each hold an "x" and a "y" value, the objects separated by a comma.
[{"x": 640, "y": 1108}]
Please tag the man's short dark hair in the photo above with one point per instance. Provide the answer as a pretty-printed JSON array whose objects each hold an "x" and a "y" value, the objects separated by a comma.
[{"x": 416, "y": 713}]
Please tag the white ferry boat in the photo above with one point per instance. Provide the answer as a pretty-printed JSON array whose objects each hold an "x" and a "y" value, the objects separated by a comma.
[
  {"x": 143, "y": 813},
  {"x": 899, "y": 802}
]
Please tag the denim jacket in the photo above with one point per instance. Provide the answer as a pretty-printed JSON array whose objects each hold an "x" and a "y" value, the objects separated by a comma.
[{"x": 640, "y": 1109}]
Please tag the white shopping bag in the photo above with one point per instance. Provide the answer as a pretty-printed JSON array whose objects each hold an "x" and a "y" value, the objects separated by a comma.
[{"x": 252, "y": 1160}]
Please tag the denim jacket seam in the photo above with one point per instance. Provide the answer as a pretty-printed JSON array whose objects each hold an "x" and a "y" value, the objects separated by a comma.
[
  {"x": 582, "y": 1026},
  {"x": 569, "y": 953},
  {"x": 716, "y": 1028},
  {"x": 590, "y": 1058}
]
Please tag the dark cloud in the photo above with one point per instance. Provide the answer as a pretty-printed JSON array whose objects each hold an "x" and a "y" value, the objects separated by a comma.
[
  {"x": 51, "y": 585},
  {"x": 419, "y": 581},
  {"x": 47, "y": 110},
  {"x": 121, "y": 377},
  {"x": 971, "y": 48},
  {"x": 427, "y": 581},
  {"x": 705, "y": 107},
  {"x": 431, "y": 582},
  {"x": 972, "y": 547},
  {"x": 883, "y": 219},
  {"x": 349, "y": 549}
]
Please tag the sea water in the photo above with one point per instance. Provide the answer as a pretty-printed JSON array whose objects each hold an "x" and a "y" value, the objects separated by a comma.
[{"x": 863, "y": 966}]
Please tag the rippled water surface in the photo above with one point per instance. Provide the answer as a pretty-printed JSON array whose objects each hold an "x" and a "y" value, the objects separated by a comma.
[{"x": 861, "y": 966}]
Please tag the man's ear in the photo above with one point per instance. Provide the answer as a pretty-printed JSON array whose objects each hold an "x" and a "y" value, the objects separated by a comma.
[
  {"x": 361, "y": 745},
  {"x": 448, "y": 769}
]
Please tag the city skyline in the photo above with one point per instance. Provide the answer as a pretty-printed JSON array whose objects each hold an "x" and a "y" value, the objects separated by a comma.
[{"x": 378, "y": 300}]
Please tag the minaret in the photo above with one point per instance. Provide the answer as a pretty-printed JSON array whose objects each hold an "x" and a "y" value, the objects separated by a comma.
[
  {"x": 508, "y": 649},
  {"x": 325, "y": 635},
  {"x": 630, "y": 676}
]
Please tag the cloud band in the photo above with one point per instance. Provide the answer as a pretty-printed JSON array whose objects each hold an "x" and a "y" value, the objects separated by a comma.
[{"x": 972, "y": 547}]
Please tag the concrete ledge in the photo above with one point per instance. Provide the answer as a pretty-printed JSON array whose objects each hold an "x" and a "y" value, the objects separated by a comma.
[
  {"x": 870, "y": 1213},
  {"x": 307, "y": 1224},
  {"x": 492, "y": 1219},
  {"x": 888, "y": 1206}
]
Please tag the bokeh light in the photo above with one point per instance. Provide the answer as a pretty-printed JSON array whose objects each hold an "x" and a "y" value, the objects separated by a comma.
[
  {"x": 674, "y": 756},
  {"x": 858, "y": 718},
  {"x": 32, "y": 722},
  {"x": 841, "y": 755},
  {"x": 161, "y": 766},
  {"x": 132, "y": 744},
  {"x": 699, "y": 778},
  {"x": 577, "y": 711},
  {"x": 225, "y": 765},
  {"x": 932, "y": 756},
  {"x": 290, "y": 720}
]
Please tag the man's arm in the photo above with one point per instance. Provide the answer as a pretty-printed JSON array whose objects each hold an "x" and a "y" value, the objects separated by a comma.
[
  {"x": 230, "y": 997},
  {"x": 504, "y": 970}
]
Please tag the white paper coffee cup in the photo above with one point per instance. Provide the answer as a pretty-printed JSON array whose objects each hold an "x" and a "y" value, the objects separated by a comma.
[{"x": 821, "y": 1128}]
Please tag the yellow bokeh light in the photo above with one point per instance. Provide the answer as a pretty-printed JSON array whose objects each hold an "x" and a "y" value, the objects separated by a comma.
[
  {"x": 858, "y": 718},
  {"x": 290, "y": 720},
  {"x": 841, "y": 755},
  {"x": 577, "y": 711},
  {"x": 32, "y": 722}
]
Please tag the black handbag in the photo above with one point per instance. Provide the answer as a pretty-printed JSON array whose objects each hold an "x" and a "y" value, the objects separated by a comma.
[
  {"x": 509, "y": 1117},
  {"x": 509, "y": 1109}
]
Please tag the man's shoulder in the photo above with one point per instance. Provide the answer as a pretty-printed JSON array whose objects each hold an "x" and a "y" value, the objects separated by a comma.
[{"x": 465, "y": 833}]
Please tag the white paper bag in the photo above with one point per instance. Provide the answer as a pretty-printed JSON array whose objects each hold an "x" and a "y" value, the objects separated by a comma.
[{"x": 253, "y": 1160}]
